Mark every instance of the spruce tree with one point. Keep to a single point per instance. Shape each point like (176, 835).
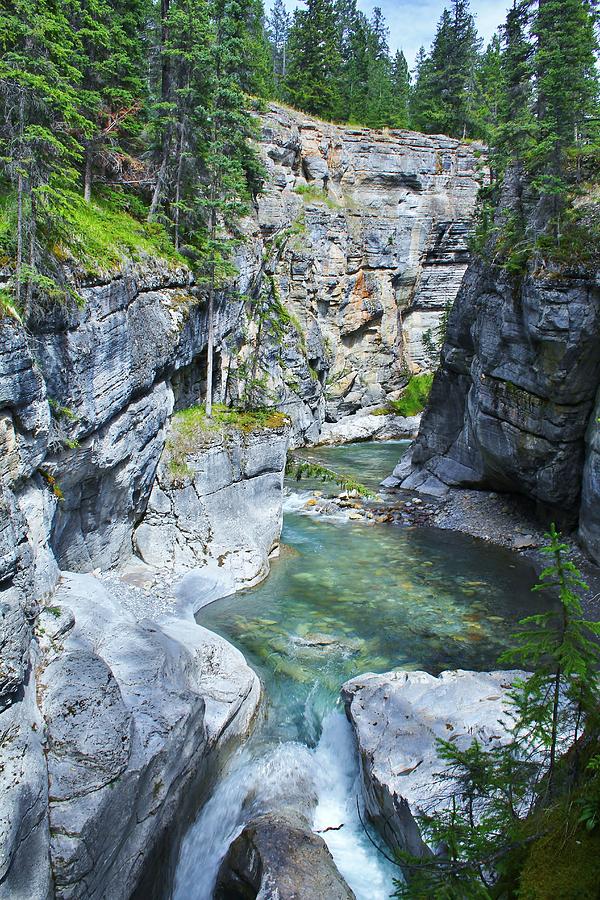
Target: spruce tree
(278, 30)
(313, 76)
(111, 57)
(380, 93)
(445, 80)
(39, 102)
(401, 91)
(566, 80)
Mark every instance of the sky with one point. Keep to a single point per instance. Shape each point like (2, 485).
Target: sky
(412, 23)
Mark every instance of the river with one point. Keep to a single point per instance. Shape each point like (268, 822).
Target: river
(344, 598)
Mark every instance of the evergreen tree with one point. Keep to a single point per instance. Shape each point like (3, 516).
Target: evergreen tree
(278, 30)
(424, 104)
(566, 80)
(515, 126)
(39, 102)
(380, 93)
(312, 81)
(488, 91)
(233, 172)
(111, 56)
(495, 791)
(444, 95)
(401, 91)
(355, 53)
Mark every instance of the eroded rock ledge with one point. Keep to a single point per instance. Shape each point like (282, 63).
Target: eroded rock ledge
(397, 718)
(134, 715)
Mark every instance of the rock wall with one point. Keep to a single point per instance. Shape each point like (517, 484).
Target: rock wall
(225, 507)
(515, 395)
(365, 244)
(94, 762)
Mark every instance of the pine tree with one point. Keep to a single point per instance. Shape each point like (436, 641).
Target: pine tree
(111, 57)
(355, 52)
(444, 94)
(233, 173)
(566, 79)
(401, 91)
(312, 82)
(516, 125)
(39, 103)
(494, 792)
(380, 93)
(278, 30)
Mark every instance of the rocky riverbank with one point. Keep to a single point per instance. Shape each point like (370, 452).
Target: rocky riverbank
(397, 718)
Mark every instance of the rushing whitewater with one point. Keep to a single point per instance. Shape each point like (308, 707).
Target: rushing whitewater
(322, 781)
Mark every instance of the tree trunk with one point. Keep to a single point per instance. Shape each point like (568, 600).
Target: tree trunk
(165, 95)
(178, 181)
(87, 176)
(19, 264)
(210, 344)
(29, 291)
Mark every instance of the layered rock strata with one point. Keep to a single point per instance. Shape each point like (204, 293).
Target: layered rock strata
(351, 238)
(223, 505)
(365, 237)
(513, 406)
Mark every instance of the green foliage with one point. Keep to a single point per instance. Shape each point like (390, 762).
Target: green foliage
(510, 808)
(443, 99)
(313, 194)
(192, 429)
(414, 396)
(99, 236)
(312, 77)
(299, 468)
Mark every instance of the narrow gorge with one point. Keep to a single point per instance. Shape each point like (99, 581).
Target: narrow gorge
(290, 414)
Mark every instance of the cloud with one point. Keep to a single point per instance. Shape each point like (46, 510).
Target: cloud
(412, 23)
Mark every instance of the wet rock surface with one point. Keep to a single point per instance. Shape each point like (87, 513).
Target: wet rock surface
(278, 857)
(397, 718)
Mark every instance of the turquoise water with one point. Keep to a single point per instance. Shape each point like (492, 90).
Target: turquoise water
(345, 598)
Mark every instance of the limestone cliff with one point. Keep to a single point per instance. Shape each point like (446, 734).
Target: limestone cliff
(353, 251)
(513, 406)
(364, 236)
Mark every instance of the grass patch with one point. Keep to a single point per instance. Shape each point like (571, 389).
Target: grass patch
(191, 430)
(100, 235)
(414, 396)
(310, 193)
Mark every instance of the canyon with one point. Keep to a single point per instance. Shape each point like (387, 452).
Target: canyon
(110, 694)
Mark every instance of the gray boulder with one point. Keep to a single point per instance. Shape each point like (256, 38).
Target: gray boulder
(136, 715)
(278, 857)
(397, 718)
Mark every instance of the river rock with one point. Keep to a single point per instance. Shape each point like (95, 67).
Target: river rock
(369, 427)
(278, 857)
(397, 718)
